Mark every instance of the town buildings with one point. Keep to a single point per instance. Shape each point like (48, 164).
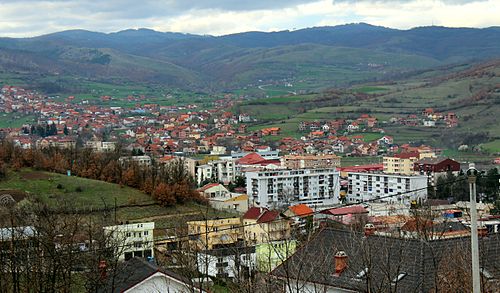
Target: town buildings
(310, 161)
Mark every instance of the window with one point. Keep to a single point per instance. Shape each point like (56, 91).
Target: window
(146, 233)
(128, 234)
(138, 244)
(362, 273)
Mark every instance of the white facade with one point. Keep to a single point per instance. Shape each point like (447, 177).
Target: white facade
(229, 264)
(221, 170)
(386, 187)
(160, 282)
(314, 187)
(132, 240)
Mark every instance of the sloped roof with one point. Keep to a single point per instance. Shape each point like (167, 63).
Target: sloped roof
(268, 216)
(238, 198)
(385, 257)
(253, 213)
(301, 210)
(250, 159)
(133, 272)
(355, 209)
(208, 186)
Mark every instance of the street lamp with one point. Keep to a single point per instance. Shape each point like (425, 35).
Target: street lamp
(476, 281)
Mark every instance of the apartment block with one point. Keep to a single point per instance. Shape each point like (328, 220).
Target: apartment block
(275, 188)
(393, 188)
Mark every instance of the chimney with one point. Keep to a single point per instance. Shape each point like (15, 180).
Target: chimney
(369, 229)
(102, 268)
(340, 262)
(482, 231)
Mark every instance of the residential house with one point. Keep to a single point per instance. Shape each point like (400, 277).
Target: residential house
(140, 276)
(216, 233)
(271, 254)
(227, 263)
(131, 240)
(301, 216)
(261, 225)
(345, 261)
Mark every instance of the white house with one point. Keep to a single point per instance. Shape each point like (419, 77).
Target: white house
(132, 240)
(228, 262)
(140, 276)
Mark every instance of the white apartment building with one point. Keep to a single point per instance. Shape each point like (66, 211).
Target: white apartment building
(131, 240)
(393, 188)
(314, 187)
(220, 171)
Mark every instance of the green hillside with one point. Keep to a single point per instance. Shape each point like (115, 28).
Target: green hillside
(473, 93)
(54, 188)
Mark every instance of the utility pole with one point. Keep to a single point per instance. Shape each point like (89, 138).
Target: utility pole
(476, 280)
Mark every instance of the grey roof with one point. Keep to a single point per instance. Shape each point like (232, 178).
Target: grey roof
(18, 232)
(385, 257)
(134, 271)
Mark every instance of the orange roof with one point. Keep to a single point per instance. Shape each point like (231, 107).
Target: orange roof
(301, 210)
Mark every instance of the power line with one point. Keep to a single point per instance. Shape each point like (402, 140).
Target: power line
(182, 237)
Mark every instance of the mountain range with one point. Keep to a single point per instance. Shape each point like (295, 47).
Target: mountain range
(314, 57)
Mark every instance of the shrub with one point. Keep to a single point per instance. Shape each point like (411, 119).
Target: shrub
(78, 189)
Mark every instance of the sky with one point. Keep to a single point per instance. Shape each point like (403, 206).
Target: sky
(27, 18)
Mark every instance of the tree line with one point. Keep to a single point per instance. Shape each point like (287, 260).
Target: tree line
(168, 183)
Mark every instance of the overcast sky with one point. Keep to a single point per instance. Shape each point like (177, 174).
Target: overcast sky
(25, 18)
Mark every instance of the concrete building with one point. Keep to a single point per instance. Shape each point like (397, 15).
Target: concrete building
(226, 263)
(132, 240)
(261, 225)
(400, 163)
(310, 161)
(314, 187)
(216, 233)
(386, 187)
(140, 160)
(220, 171)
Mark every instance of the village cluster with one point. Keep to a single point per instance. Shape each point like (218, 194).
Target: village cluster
(280, 193)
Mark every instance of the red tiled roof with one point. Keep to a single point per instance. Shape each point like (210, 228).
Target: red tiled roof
(357, 209)
(250, 159)
(253, 213)
(268, 216)
(301, 210)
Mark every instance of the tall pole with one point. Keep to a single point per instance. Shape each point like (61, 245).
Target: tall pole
(476, 281)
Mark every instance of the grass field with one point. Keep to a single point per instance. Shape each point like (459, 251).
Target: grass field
(15, 120)
(492, 146)
(98, 194)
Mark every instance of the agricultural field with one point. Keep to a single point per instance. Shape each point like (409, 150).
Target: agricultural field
(8, 120)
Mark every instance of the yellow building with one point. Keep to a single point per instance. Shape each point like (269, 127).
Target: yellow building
(261, 225)
(210, 234)
(403, 163)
